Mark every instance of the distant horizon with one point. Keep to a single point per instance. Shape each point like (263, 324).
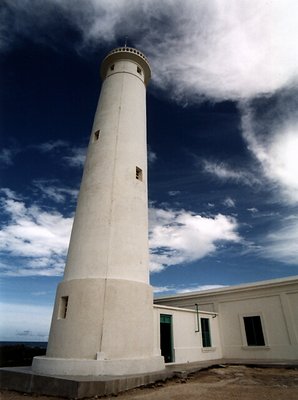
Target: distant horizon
(210, 289)
(21, 341)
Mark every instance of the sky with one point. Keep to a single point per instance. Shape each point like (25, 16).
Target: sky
(222, 122)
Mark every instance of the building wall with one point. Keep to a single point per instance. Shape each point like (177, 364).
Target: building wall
(274, 302)
(187, 340)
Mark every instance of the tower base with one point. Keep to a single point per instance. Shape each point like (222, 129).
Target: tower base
(83, 367)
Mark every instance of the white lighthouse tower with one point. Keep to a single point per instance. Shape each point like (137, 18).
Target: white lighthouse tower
(102, 322)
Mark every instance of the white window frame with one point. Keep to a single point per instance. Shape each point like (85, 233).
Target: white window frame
(245, 346)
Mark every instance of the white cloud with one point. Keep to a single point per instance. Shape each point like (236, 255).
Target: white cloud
(56, 193)
(173, 192)
(10, 194)
(276, 150)
(178, 289)
(152, 157)
(224, 172)
(224, 49)
(47, 147)
(180, 236)
(282, 244)
(77, 157)
(71, 156)
(221, 49)
(199, 288)
(41, 293)
(161, 289)
(34, 240)
(74, 156)
(30, 322)
(253, 210)
(6, 156)
(229, 202)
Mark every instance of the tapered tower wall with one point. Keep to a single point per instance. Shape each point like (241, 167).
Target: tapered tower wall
(103, 315)
(110, 232)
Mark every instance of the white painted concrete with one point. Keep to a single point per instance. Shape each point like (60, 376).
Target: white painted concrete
(110, 233)
(103, 317)
(86, 367)
(187, 338)
(276, 302)
(108, 326)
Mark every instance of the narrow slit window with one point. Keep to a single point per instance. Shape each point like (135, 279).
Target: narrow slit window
(63, 307)
(96, 135)
(254, 331)
(139, 174)
(112, 67)
(139, 70)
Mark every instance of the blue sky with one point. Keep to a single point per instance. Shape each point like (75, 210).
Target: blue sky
(222, 138)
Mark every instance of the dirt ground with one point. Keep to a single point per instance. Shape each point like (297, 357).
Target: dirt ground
(220, 383)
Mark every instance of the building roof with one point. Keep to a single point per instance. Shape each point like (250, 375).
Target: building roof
(233, 289)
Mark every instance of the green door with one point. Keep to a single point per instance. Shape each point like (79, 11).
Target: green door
(166, 345)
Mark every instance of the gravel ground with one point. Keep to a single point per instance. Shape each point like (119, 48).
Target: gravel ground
(220, 383)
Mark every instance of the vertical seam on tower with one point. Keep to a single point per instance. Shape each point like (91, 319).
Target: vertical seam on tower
(110, 215)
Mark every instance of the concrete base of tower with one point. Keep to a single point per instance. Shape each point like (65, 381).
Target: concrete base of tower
(83, 367)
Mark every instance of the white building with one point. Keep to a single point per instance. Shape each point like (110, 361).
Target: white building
(247, 322)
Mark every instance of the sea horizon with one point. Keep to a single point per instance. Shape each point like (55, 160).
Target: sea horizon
(30, 343)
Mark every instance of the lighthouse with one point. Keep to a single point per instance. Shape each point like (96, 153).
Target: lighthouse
(102, 321)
